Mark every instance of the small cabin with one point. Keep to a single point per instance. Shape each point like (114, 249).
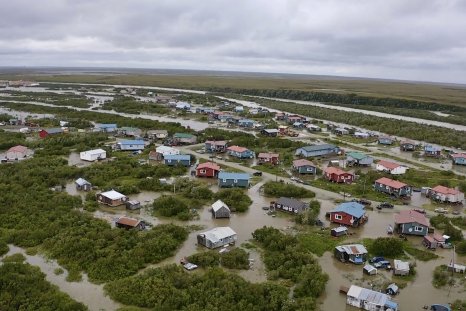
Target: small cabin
(217, 237)
(133, 205)
(130, 223)
(112, 198)
(83, 185)
(369, 270)
(220, 210)
(400, 267)
(339, 231)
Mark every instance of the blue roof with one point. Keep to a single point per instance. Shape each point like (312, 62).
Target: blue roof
(431, 148)
(246, 121)
(229, 175)
(131, 142)
(106, 125)
(178, 157)
(391, 304)
(352, 208)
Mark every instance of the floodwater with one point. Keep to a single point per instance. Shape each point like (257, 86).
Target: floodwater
(74, 159)
(21, 115)
(92, 295)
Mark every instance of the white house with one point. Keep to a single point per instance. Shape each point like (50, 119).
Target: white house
(166, 150)
(369, 300)
(93, 155)
(391, 167)
(400, 267)
(217, 237)
(131, 145)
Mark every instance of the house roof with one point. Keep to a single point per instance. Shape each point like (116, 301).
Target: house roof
(369, 268)
(237, 149)
(216, 234)
(406, 142)
(217, 142)
(370, 296)
(128, 221)
(357, 155)
(178, 157)
(431, 148)
(340, 229)
(389, 165)
(268, 155)
(335, 170)
(246, 121)
(445, 190)
(54, 130)
(157, 132)
(18, 148)
(401, 265)
(210, 165)
(406, 217)
(293, 203)
(351, 208)
(166, 149)
(131, 142)
(105, 125)
(385, 138)
(95, 151)
(232, 175)
(352, 249)
(439, 238)
(113, 195)
(302, 162)
(271, 131)
(319, 147)
(391, 183)
(429, 238)
(82, 182)
(218, 205)
(183, 135)
(458, 155)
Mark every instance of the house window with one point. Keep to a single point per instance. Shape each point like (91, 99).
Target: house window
(418, 229)
(202, 171)
(338, 217)
(169, 161)
(235, 181)
(224, 180)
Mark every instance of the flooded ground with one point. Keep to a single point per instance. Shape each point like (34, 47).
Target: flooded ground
(75, 160)
(92, 295)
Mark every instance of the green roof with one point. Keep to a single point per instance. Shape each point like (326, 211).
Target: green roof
(183, 135)
(357, 155)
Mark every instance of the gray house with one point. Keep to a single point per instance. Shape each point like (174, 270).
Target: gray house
(359, 158)
(289, 205)
(220, 210)
(229, 179)
(303, 166)
(177, 159)
(317, 150)
(82, 184)
(411, 222)
(392, 187)
(217, 237)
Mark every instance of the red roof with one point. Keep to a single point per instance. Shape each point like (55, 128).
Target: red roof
(445, 190)
(268, 155)
(128, 221)
(405, 217)
(210, 165)
(302, 162)
(458, 155)
(391, 183)
(429, 238)
(439, 238)
(335, 170)
(237, 149)
(18, 148)
(388, 164)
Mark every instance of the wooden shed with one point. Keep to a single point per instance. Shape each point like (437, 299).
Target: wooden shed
(220, 210)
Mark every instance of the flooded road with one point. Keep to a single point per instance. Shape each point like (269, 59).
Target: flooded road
(92, 295)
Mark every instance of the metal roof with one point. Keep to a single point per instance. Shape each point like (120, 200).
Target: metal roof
(367, 295)
(318, 147)
(131, 142)
(179, 157)
(210, 165)
(388, 164)
(218, 205)
(401, 265)
(82, 182)
(445, 190)
(357, 155)
(94, 151)
(105, 125)
(293, 203)
(302, 162)
(352, 249)
(411, 216)
(113, 195)
(391, 183)
(216, 234)
(183, 135)
(351, 208)
(232, 175)
(128, 221)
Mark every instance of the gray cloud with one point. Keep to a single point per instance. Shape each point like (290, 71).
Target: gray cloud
(416, 39)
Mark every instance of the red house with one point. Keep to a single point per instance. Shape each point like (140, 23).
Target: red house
(46, 132)
(337, 175)
(267, 157)
(349, 214)
(207, 169)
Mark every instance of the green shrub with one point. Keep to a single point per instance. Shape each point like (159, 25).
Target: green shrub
(17, 257)
(236, 258)
(236, 199)
(279, 189)
(389, 247)
(205, 259)
(3, 248)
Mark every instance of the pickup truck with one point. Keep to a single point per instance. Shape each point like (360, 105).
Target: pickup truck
(441, 210)
(384, 205)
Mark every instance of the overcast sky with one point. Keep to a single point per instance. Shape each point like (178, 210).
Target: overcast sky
(400, 39)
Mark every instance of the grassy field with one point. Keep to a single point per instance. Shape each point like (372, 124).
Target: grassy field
(441, 93)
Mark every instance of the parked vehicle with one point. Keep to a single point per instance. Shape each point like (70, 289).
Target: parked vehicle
(420, 210)
(190, 266)
(257, 173)
(376, 259)
(362, 201)
(441, 210)
(384, 264)
(384, 205)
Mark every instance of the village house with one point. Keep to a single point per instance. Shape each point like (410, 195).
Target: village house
(133, 205)
(212, 146)
(246, 123)
(130, 223)
(217, 237)
(368, 269)
(83, 185)
(240, 152)
(354, 253)
(207, 169)
(390, 167)
(156, 134)
(162, 151)
(238, 109)
(131, 145)
(359, 159)
(184, 139)
(105, 127)
(370, 300)
(93, 155)
(205, 110)
(318, 151)
(268, 157)
(339, 231)
(337, 175)
(112, 198)
(313, 128)
(229, 179)
(129, 131)
(289, 205)
(459, 158)
(392, 289)
(292, 118)
(349, 214)
(339, 131)
(407, 145)
(400, 267)
(303, 166)
(279, 116)
(269, 132)
(182, 106)
(298, 125)
(18, 152)
(220, 210)
(177, 159)
(435, 240)
(50, 132)
(392, 187)
(411, 222)
(362, 135)
(432, 151)
(446, 195)
(385, 140)
(456, 267)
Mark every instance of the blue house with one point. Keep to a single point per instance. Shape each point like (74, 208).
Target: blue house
(131, 145)
(317, 150)
(240, 152)
(359, 158)
(108, 128)
(385, 140)
(246, 123)
(177, 159)
(459, 158)
(432, 151)
(228, 179)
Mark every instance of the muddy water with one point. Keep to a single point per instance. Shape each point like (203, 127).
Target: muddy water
(92, 295)
(74, 159)
(23, 115)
